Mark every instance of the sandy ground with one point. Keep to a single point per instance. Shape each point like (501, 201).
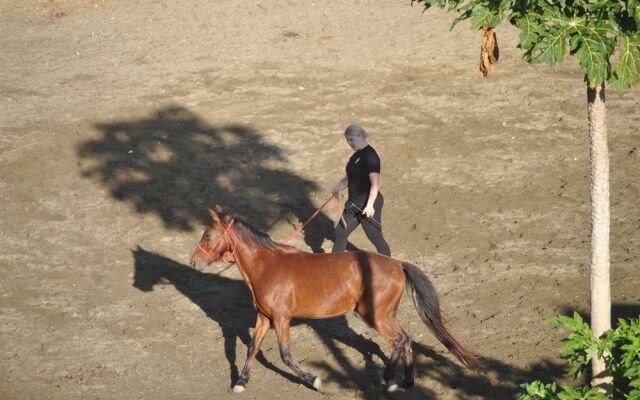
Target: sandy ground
(121, 122)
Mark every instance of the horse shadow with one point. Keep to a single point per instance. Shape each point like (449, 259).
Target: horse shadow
(496, 381)
(174, 164)
(228, 302)
(443, 369)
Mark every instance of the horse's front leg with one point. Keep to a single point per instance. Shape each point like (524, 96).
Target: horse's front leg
(282, 331)
(262, 327)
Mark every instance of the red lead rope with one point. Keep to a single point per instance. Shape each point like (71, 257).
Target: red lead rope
(315, 214)
(229, 232)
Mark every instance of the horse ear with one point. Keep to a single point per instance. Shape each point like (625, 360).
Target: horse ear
(218, 208)
(214, 216)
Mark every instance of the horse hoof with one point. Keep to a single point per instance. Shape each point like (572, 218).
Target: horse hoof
(317, 383)
(392, 387)
(238, 389)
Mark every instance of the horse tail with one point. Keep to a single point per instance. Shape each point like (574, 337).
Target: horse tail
(425, 299)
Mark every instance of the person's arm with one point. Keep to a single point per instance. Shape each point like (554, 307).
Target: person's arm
(341, 185)
(374, 178)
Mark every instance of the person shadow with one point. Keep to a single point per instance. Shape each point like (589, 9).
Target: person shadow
(176, 165)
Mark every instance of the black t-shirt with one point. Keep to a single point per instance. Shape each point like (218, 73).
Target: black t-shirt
(360, 165)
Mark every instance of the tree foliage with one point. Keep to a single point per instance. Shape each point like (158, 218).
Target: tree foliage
(619, 346)
(603, 34)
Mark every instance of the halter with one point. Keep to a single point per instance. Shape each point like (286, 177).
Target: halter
(227, 239)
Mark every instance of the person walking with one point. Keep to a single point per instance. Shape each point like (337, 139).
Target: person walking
(365, 201)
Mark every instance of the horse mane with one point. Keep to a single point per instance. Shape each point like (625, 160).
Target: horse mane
(253, 234)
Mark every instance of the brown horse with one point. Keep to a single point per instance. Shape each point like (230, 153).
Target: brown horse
(287, 283)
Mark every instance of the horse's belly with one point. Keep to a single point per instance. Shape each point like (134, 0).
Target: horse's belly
(322, 308)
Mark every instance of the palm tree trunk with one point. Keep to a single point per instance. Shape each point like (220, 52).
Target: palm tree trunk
(600, 221)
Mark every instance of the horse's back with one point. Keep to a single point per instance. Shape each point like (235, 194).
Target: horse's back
(331, 264)
(331, 284)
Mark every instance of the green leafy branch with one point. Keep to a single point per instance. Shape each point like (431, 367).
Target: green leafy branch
(620, 348)
(593, 30)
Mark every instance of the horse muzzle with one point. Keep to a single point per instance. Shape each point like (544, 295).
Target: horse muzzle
(199, 265)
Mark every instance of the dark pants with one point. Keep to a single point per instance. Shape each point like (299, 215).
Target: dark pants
(372, 227)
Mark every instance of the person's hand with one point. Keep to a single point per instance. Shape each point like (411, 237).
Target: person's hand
(336, 190)
(369, 211)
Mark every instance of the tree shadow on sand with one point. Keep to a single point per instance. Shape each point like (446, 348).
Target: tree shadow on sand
(175, 165)
(227, 301)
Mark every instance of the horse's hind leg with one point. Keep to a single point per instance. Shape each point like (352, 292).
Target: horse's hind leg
(390, 370)
(399, 340)
(403, 343)
(262, 327)
(409, 361)
(282, 331)
(380, 313)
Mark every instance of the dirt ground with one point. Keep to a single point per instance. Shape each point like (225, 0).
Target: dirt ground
(121, 122)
